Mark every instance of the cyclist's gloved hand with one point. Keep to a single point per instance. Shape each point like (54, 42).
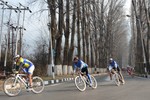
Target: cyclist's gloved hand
(16, 72)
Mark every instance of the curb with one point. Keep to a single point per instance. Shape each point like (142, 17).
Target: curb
(50, 82)
(55, 81)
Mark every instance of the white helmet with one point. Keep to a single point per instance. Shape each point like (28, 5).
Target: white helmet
(17, 56)
(111, 59)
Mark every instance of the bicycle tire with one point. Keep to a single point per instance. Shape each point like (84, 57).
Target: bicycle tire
(9, 89)
(38, 85)
(116, 79)
(94, 82)
(80, 83)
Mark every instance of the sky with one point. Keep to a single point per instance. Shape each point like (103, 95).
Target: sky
(35, 23)
(128, 12)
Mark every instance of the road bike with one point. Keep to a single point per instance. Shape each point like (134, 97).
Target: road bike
(117, 78)
(81, 82)
(14, 84)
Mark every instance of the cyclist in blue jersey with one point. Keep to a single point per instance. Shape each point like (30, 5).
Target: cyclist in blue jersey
(26, 66)
(114, 66)
(77, 63)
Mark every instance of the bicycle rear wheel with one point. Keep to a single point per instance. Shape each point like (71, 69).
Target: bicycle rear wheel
(94, 82)
(38, 85)
(11, 88)
(80, 83)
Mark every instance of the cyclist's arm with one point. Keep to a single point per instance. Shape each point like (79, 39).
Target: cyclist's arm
(20, 67)
(115, 64)
(82, 65)
(74, 68)
(109, 68)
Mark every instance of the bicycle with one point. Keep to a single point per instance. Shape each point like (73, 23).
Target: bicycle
(81, 81)
(14, 84)
(117, 78)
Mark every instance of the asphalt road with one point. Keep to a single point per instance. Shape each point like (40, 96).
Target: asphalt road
(135, 89)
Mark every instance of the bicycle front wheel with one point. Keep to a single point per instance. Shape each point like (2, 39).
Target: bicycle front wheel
(38, 84)
(116, 79)
(11, 88)
(94, 82)
(80, 83)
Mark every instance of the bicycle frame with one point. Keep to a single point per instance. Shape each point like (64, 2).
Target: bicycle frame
(82, 75)
(19, 77)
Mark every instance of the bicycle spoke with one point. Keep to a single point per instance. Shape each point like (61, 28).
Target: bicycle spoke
(80, 83)
(10, 88)
(94, 82)
(38, 85)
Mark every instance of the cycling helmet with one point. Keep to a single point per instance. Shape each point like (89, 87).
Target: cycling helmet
(111, 59)
(17, 56)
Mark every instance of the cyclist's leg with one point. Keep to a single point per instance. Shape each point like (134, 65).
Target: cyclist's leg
(110, 75)
(112, 71)
(120, 74)
(30, 73)
(85, 69)
(88, 75)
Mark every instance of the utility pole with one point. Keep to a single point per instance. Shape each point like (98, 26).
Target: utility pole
(20, 40)
(18, 9)
(6, 52)
(1, 29)
(17, 30)
(22, 28)
(13, 28)
(8, 24)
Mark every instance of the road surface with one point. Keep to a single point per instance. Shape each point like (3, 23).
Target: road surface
(136, 88)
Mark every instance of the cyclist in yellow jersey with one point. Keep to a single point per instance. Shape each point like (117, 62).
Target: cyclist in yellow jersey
(25, 65)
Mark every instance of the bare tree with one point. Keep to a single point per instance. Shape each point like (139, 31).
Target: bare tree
(67, 33)
(58, 59)
(72, 34)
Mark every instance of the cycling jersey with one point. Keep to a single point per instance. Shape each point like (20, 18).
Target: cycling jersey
(83, 67)
(80, 64)
(112, 65)
(25, 63)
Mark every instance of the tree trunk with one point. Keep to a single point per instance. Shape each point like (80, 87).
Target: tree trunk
(147, 53)
(83, 29)
(51, 6)
(58, 59)
(139, 48)
(66, 48)
(72, 35)
(78, 28)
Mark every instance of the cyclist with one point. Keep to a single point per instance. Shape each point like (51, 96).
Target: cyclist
(26, 66)
(113, 66)
(77, 63)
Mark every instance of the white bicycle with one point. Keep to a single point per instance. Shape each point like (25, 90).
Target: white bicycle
(13, 85)
(117, 78)
(81, 81)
